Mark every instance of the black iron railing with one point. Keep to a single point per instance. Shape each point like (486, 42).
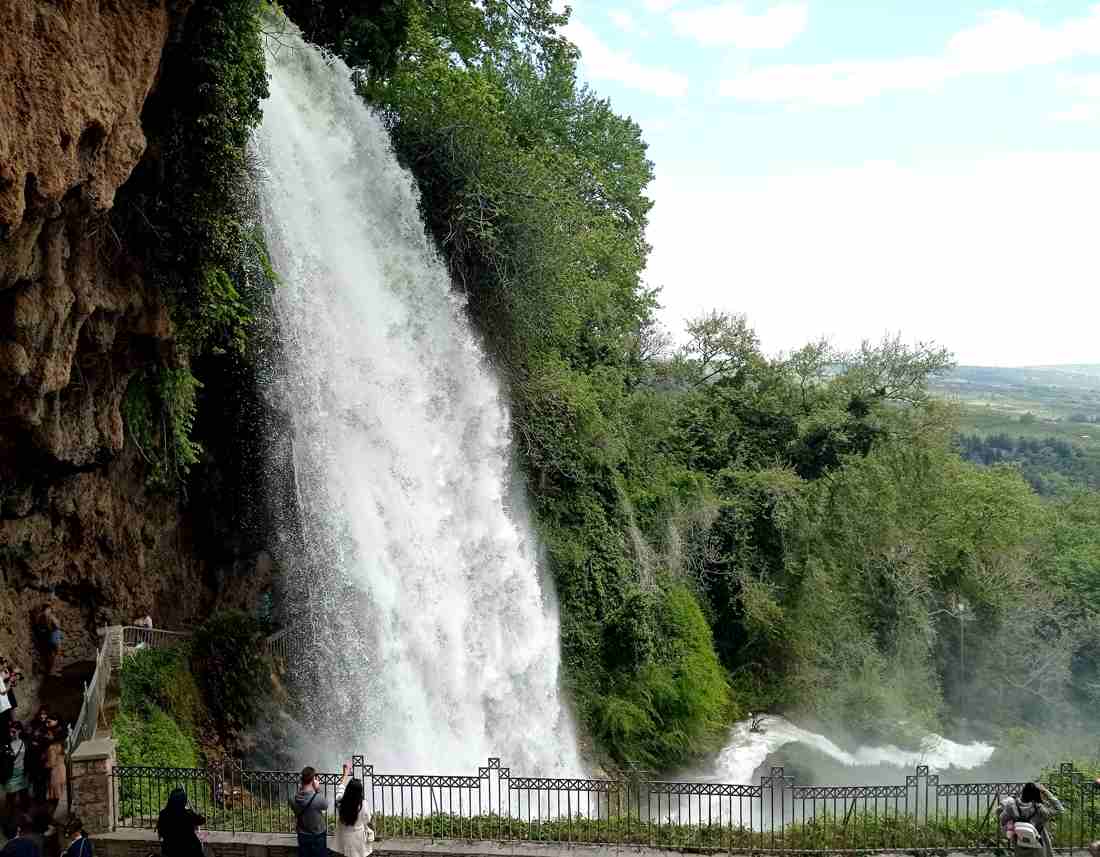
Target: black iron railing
(776, 814)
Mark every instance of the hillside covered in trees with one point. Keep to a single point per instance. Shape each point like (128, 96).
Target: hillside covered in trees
(727, 530)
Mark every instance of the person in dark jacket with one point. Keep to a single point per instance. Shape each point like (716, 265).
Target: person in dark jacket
(79, 843)
(177, 826)
(22, 845)
(310, 809)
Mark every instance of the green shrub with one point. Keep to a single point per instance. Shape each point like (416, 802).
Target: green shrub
(161, 679)
(677, 703)
(155, 740)
(159, 411)
(227, 656)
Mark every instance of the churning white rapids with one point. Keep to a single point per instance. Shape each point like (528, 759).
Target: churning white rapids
(421, 549)
(746, 751)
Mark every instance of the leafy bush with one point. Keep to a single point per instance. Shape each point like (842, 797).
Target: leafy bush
(161, 679)
(154, 740)
(677, 704)
(159, 410)
(227, 656)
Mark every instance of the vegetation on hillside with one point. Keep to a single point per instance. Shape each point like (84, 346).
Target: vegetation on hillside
(726, 529)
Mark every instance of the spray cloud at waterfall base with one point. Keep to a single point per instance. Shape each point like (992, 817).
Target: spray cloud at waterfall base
(434, 642)
(747, 751)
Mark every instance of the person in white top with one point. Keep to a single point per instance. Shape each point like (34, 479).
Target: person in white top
(354, 834)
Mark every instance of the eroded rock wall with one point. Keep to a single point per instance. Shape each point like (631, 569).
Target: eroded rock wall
(77, 320)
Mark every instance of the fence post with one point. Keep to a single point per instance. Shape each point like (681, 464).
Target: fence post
(768, 788)
(93, 796)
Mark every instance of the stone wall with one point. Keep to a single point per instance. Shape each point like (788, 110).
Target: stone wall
(92, 788)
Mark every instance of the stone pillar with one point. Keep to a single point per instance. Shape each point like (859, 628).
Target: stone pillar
(93, 788)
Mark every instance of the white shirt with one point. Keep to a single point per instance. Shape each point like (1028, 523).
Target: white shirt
(353, 840)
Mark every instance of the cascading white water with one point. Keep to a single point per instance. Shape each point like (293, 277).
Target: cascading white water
(442, 643)
(746, 751)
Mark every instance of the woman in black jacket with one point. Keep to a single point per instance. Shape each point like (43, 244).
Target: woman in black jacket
(177, 826)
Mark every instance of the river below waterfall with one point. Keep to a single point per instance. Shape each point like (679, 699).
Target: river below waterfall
(810, 755)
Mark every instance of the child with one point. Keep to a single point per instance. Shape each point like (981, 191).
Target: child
(80, 845)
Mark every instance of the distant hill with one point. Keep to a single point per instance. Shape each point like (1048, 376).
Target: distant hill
(1084, 376)
(1041, 419)
(1049, 392)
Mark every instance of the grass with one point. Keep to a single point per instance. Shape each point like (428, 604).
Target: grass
(988, 421)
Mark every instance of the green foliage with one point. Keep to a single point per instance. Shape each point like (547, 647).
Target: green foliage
(159, 411)
(673, 707)
(366, 33)
(190, 201)
(227, 656)
(161, 680)
(1052, 465)
(189, 210)
(154, 739)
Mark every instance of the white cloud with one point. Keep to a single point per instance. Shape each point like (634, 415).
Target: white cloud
(623, 20)
(602, 62)
(1081, 85)
(994, 259)
(659, 5)
(1085, 88)
(1080, 112)
(1002, 42)
(729, 24)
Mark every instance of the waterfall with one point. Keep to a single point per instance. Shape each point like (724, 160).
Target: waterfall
(433, 639)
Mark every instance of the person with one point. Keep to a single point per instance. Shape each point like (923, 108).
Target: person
(354, 834)
(177, 827)
(49, 629)
(38, 741)
(1094, 847)
(7, 710)
(22, 844)
(79, 843)
(1035, 806)
(9, 678)
(310, 807)
(57, 783)
(15, 785)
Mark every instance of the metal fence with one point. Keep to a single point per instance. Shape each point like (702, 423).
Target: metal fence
(135, 638)
(121, 641)
(95, 693)
(284, 645)
(496, 805)
(118, 642)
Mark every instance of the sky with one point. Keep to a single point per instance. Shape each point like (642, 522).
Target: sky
(857, 169)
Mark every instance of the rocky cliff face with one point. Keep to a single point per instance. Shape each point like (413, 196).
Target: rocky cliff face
(77, 319)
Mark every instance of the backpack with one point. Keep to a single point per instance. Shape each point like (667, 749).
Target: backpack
(1029, 834)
